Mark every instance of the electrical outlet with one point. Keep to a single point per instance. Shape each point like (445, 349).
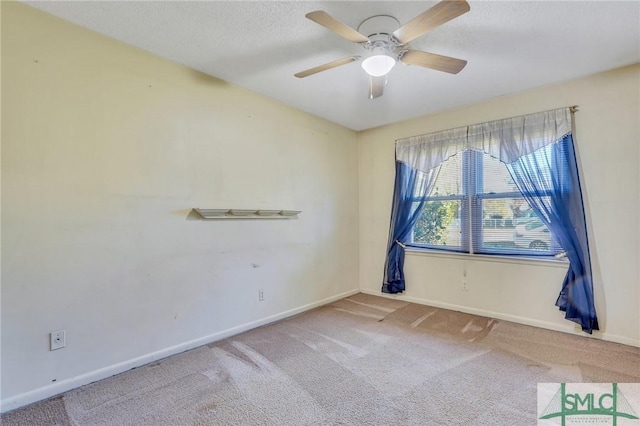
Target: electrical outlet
(465, 285)
(261, 295)
(58, 340)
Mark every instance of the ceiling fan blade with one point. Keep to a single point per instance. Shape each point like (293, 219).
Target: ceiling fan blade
(340, 28)
(433, 61)
(376, 86)
(439, 14)
(327, 66)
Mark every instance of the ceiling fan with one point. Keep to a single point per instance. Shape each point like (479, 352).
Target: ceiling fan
(387, 42)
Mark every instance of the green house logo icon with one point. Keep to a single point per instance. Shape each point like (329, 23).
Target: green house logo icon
(612, 405)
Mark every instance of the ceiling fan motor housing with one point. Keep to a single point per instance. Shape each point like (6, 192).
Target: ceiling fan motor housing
(379, 30)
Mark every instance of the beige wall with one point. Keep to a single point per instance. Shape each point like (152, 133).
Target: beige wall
(105, 149)
(607, 138)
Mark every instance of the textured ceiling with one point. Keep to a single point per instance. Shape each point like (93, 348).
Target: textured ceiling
(510, 46)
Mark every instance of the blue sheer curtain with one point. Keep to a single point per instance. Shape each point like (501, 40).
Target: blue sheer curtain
(548, 179)
(411, 188)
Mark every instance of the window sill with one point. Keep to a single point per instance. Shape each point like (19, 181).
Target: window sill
(538, 261)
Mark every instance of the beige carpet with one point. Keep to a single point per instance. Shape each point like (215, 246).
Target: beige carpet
(363, 360)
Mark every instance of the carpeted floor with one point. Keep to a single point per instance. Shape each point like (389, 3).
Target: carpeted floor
(363, 360)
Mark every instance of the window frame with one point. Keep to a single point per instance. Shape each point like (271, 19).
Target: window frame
(471, 203)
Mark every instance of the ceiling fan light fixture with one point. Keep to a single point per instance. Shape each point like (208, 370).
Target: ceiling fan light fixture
(378, 65)
(387, 42)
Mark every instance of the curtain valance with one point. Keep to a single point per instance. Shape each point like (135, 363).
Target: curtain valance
(507, 139)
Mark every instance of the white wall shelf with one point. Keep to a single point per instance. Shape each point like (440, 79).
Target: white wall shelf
(246, 214)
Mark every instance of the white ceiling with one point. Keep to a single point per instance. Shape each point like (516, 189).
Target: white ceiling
(510, 46)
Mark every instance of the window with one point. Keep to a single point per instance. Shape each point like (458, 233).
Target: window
(451, 193)
(475, 207)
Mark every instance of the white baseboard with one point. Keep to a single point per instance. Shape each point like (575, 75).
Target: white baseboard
(48, 391)
(569, 328)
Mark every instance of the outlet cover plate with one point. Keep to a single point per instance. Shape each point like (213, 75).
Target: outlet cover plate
(58, 340)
